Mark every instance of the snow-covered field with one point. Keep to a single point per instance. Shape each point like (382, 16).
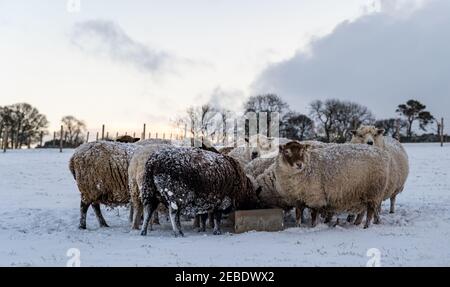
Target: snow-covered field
(39, 212)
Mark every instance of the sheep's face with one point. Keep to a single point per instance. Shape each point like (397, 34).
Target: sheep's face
(368, 135)
(295, 154)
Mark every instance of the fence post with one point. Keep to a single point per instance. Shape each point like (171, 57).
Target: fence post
(156, 135)
(442, 132)
(149, 135)
(41, 138)
(87, 137)
(143, 133)
(107, 135)
(96, 138)
(54, 140)
(117, 135)
(164, 136)
(61, 139)
(103, 132)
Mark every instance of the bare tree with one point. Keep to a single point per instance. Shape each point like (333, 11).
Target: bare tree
(337, 118)
(297, 126)
(75, 130)
(268, 103)
(24, 124)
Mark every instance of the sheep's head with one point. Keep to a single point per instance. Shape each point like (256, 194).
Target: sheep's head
(368, 135)
(295, 154)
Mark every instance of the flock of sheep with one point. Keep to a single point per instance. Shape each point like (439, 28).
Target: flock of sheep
(170, 177)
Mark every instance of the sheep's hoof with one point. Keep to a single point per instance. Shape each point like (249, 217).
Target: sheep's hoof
(143, 232)
(391, 211)
(217, 232)
(178, 233)
(82, 227)
(201, 229)
(350, 218)
(104, 225)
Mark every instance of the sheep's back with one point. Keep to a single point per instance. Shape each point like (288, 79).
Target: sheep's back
(101, 171)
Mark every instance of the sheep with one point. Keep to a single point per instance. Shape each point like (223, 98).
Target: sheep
(135, 179)
(194, 181)
(152, 142)
(257, 167)
(100, 171)
(127, 139)
(399, 165)
(337, 178)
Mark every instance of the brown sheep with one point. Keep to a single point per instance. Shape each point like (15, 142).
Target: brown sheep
(100, 170)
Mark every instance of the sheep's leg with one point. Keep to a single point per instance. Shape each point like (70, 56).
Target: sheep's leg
(314, 214)
(131, 215)
(178, 222)
(359, 218)
(392, 209)
(217, 219)
(174, 221)
(376, 219)
(350, 218)
(137, 215)
(155, 218)
(98, 213)
(329, 217)
(211, 219)
(369, 215)
(83, 212)
(299, 215)
(336, 223)
(203, 218)
(148, 211)
(196, 223)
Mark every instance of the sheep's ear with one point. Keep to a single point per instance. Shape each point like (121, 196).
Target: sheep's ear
(380, 131)
(354, 132)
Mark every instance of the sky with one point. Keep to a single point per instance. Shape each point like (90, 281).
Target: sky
(125, 63)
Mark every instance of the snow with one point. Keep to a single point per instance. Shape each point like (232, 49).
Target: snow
(39, 214)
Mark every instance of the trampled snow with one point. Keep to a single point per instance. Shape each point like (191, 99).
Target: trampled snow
(39, 214)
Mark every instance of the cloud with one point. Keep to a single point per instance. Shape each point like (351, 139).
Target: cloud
(101, 37)
(229, 99)
(379, 60)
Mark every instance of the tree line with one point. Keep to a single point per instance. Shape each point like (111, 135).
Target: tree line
(327, 120)
(22, 125)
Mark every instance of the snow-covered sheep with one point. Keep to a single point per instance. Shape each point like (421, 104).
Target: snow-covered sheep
(100, 170)
(152, 142)
(194, 181)
(398, 158)
(136, 178)
(337, 178)
(259, 165)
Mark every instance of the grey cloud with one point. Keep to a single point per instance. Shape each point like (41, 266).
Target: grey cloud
(378, 60)
(106, 37)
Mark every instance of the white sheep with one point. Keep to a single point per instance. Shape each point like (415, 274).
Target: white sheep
(398, 158)
(338, 178)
